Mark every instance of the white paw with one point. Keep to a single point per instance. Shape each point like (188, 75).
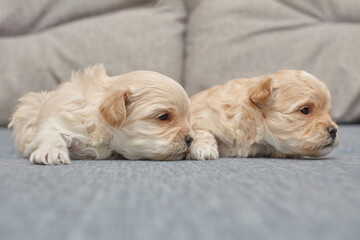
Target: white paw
(48, 155)
(203, 152)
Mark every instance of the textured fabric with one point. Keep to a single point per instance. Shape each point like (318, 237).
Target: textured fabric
(42, 41)
(223, 199)
(240, 38)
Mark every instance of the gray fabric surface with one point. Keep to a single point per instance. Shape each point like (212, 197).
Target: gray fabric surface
(42, 42)
(224, 199)
(241, 38)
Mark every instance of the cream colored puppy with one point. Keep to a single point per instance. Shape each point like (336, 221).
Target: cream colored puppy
(286, 114)
(140, 115)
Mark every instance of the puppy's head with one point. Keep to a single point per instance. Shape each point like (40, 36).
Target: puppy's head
(148, 116)
(296, 110)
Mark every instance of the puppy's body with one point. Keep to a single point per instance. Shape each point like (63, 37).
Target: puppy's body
(262, 117)
(96, 116)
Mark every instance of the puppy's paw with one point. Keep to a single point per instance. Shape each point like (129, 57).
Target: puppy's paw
(203, 152)
(50, 156)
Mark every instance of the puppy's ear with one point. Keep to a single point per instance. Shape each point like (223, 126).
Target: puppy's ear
(262, 91)
(113, 107)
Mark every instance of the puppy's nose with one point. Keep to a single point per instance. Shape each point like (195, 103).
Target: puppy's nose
(332, 131)
(188, 140)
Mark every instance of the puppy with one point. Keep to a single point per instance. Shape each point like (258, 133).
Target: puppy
(286, 114)
(139, 115)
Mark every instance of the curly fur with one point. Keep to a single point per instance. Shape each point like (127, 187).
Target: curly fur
(261, 117)
(96, 116)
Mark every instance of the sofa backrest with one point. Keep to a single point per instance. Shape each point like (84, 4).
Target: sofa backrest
(199, 43)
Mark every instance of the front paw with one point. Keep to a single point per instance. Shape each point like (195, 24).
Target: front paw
(50, 156)
(203, 152)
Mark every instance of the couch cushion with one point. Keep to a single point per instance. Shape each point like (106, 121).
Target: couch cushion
(225, 199)
(240, 38)
(41, 42)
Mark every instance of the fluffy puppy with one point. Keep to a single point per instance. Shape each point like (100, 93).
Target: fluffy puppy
(140, 115)
(286, 114)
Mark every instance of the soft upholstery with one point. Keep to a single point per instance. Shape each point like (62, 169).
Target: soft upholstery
(241, 38)
(42, 41)
(198, 43)
(230, 199)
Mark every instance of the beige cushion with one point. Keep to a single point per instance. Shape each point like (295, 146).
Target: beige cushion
(42, 41)
(241, 38)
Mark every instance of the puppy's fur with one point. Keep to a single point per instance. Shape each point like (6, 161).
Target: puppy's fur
(96, 116)
(286, 114)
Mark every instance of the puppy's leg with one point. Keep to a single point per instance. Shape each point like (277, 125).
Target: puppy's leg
(49, 148)
(204, 146)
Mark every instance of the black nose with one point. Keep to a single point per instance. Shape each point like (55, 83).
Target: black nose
(332, 130)
(188, 140)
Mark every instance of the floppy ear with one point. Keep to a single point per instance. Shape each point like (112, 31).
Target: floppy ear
(113, 107)
(262, 91)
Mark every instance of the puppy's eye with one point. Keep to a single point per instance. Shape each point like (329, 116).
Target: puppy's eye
(305, 110)
(163, 117)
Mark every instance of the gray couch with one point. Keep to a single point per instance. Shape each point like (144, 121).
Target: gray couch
(199, 43)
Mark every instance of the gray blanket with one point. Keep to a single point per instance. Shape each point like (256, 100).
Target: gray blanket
(223, 199)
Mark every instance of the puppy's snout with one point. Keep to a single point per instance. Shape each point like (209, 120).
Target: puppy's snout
(188, 140)
(332, 131)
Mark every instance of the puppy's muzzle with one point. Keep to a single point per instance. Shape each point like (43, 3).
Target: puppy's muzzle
(188, 140)
(332, 131)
